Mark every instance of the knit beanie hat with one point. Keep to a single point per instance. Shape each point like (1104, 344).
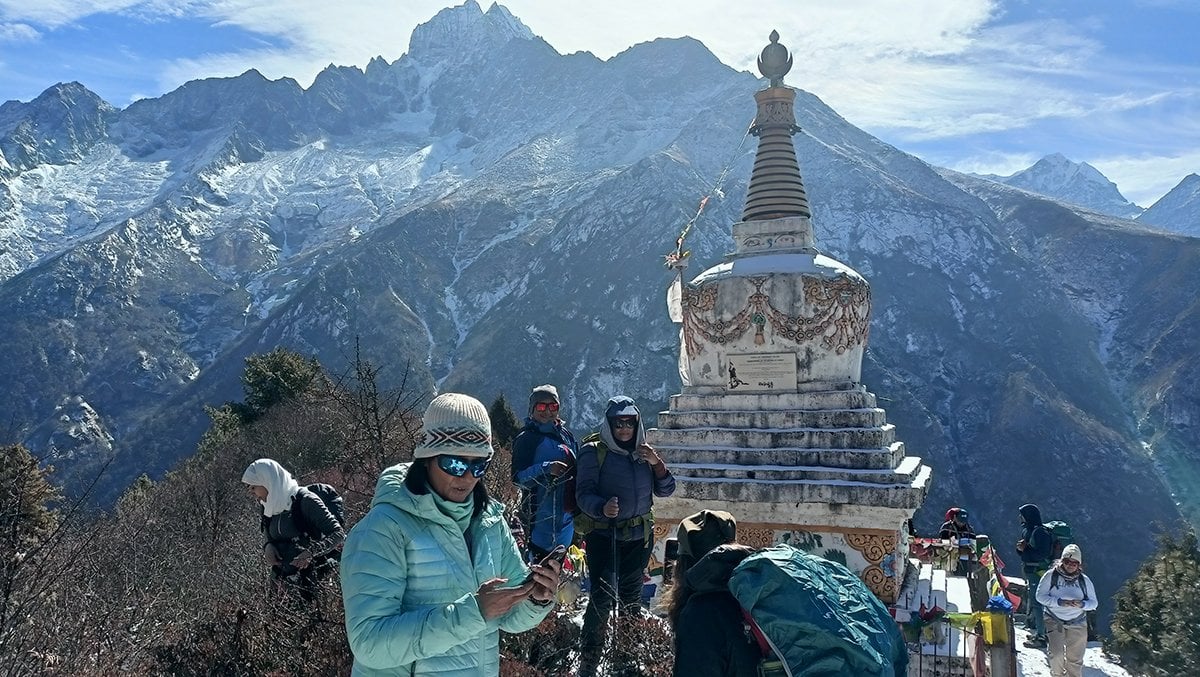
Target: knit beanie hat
(455, 424)
(704, 531)
(542, 393)
(1072, 552)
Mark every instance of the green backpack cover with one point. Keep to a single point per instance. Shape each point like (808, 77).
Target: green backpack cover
(819, 618)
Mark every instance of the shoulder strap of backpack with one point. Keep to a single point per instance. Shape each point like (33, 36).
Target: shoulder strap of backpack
(764, 646)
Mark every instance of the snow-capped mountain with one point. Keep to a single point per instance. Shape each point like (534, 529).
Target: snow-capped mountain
(1074, 182)
(1179, 209)
(491, 215)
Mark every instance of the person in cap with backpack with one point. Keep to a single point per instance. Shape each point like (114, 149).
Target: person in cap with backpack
(617, 478)
(957, 528)
(707, 622)
(544, 456)
(302, 534)
(1035, 549)
(432, 573)
(1067, 594)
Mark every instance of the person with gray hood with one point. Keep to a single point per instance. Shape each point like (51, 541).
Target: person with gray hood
(617, 478)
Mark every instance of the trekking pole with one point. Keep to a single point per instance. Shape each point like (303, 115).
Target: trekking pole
(615, 569)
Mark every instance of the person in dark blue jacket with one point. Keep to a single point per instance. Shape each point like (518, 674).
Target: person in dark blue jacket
(617, 479)
(1035, 548)
(544, 456)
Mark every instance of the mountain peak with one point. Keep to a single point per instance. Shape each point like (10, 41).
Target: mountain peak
(1179, 209)
(457, 32)
(1079, 183)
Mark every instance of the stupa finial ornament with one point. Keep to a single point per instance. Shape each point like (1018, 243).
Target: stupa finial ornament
(775, 61)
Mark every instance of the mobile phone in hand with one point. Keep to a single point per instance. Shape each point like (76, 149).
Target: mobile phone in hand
(558, 554)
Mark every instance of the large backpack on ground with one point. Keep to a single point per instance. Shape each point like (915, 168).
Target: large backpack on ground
(1060, 537)
(818, 618)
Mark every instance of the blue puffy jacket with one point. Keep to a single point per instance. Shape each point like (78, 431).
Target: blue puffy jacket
(409, 584)
(533, 451)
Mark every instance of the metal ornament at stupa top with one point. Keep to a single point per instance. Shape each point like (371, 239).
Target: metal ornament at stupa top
(772, 423)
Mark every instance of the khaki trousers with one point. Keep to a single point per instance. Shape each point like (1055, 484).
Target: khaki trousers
(1067, 642)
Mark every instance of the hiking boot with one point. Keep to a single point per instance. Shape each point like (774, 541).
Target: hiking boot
(1036, 643)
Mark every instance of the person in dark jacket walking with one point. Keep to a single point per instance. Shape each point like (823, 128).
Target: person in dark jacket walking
(617, 479)
(710, 634)
(301, 534)
(544, 456)
(1035, 549)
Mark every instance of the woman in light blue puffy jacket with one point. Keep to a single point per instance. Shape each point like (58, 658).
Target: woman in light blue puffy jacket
(432, 573)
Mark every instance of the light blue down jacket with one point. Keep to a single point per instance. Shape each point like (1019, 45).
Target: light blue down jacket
(409, 584)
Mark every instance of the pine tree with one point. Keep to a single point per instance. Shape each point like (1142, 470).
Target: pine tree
(275, 377)
(505, 424)
(1158, 610)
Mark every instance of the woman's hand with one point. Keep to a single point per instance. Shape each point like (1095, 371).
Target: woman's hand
(545, 581)
(612, 508)
(271, 555)
(649, 455)
(302, 559)
(495, 601)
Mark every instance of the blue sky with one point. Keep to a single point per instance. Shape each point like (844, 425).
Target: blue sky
(976, 85)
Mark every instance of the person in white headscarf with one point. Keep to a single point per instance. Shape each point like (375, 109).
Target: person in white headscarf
(302, 535)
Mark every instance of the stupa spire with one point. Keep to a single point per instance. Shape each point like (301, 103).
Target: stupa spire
(776, 189)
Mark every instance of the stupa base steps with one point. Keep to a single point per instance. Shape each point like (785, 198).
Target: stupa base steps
(908, 495)
(867, 417)
(873, 458)
(904, 473)
(753, 438)
(821, 396)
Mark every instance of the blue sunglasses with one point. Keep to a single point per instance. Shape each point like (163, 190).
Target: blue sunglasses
(458, 466)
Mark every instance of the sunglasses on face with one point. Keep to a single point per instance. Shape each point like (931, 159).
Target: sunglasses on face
(458, 466)
(546, 406)
(1070, 561)
(630, 423)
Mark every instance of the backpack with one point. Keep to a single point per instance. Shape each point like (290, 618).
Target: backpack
(1060, 537)
(333, 503)
(818, 618)
(583, 522)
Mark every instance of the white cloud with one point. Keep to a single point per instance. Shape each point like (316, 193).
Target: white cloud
(1145, 179)
(18, 32)
(55, 13)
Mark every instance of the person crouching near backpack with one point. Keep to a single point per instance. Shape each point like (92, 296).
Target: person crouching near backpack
(617, 478)
(300, 531)
(432, 573)
(1067, 594)
(706, 619)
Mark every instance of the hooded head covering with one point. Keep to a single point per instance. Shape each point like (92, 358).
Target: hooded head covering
(455, 424)
(618, 407)
(278, 482)
(1031, 515)
(702, 532)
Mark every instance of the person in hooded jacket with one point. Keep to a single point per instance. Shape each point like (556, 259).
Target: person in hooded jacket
(711, 637)
(617, 478)
(1035, 548)
(432, 573)
(1067, 594)
(301, 534)
(544, 456)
